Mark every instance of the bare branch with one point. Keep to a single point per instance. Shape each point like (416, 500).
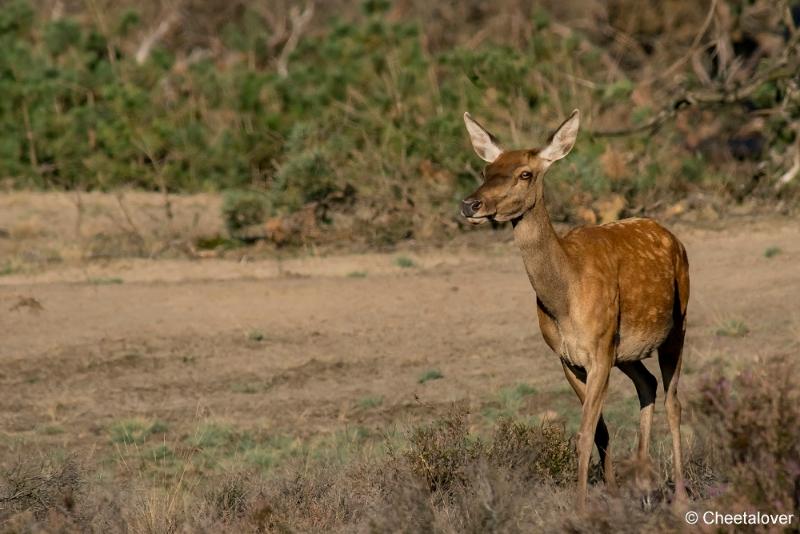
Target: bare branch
(783, 70)
(794, 170)
(299, 20)
(156, 35)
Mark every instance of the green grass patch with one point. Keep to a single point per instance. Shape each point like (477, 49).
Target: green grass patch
(105, 281)
(430, 374)
(256, 335)
(404, 262)
(249, 388)
(9, 268)
(509, 402)
(212, 435)
(357, 274)
(135, 431)
(732, 328)
(367, 403)
(771, 252)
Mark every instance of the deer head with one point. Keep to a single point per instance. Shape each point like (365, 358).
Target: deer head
(512, 179)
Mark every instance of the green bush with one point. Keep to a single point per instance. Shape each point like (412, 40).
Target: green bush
(241, 209)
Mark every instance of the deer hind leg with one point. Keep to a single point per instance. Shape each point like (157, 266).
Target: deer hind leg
(646, 386)
(576, 376)
(669, 359)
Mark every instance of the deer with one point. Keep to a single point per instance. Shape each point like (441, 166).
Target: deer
(606, 295)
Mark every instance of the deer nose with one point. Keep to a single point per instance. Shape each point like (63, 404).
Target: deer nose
(470, 207)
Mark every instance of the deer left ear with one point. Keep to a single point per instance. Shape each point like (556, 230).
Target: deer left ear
(563, 139)
(484, 143)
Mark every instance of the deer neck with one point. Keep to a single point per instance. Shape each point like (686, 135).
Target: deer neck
(545, 259)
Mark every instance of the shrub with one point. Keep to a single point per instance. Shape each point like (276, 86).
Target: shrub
(438, 454)
(39, 487)
(537, 453)
(754, 420)
(241, 209)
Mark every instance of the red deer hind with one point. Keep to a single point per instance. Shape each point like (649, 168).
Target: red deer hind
(606, 295)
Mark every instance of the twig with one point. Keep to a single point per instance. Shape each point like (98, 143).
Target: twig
(793, 171)
(299, 21)
(29, 135)
(124, 209)
(692, 48)
(155, 36)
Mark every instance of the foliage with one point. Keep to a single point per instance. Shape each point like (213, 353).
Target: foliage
(371, 104)
(241, 209)
(755, 420)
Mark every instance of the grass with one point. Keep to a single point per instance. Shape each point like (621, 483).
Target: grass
(8, 268)
(431, 374)
(732, 328)
(445, 475)
(105, 281)
(404, 262)
(249, 388)
(51, 430)
(509, 402)
(135, 431)
(771, 252)
(212, 435)
(367, 403)
(357, 274)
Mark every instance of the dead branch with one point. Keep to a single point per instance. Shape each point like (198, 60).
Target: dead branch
(794, 170)
(156, 35)
(299, 20)
(782, 70)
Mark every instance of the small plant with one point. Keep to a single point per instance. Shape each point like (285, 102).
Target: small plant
(404, 262)
(771, 252)
(367, 403)
(241, 209)
(357, 274)
(256, 335)
(439, 454)
(431, 374)
(733, 328)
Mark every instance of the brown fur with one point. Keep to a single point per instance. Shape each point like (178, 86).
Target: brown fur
(606, 296)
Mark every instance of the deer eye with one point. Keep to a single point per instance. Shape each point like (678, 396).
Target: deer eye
(526, 175)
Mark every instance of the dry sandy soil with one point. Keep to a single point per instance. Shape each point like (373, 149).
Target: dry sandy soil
(311, 345)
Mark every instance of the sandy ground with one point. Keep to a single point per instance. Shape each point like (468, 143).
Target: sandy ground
(294, 346)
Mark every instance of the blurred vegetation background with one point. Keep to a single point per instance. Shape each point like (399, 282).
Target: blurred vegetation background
(335, 119)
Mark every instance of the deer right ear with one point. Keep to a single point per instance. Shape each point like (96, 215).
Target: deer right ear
(484, 143)
(563, 139)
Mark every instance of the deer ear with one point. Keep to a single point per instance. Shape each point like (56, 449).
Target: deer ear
(563, 139)
(484, 143)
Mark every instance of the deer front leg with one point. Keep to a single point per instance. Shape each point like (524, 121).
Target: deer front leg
(596, 389)
(577, 379)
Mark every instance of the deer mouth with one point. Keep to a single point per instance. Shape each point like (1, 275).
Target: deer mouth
(480, 219)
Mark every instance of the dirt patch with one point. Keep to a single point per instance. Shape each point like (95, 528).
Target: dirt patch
(297, 352)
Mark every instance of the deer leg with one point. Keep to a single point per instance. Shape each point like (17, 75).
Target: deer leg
(577, 379)
(669, 359)
(596, 389)
(646, 386)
